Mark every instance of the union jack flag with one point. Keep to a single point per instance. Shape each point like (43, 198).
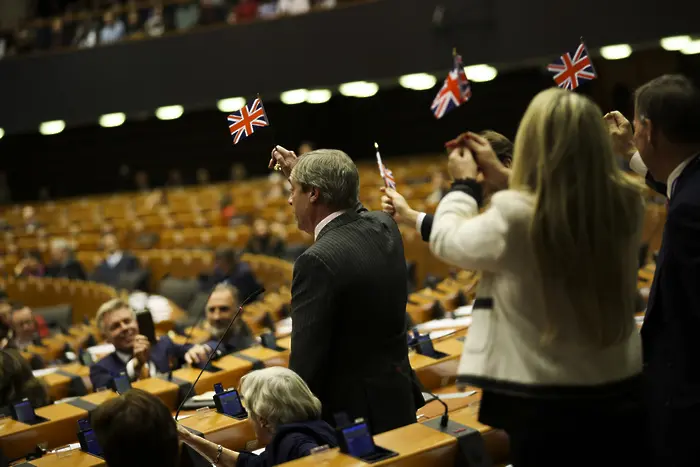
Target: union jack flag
(570, 71)
(455, 91)
(388, 176)
(242, 123)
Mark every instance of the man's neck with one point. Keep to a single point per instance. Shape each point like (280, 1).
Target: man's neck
(674, 157)
(321, 213)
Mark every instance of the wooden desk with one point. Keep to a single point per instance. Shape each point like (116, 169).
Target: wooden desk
(17, 439)
(233, 369)
(220, 429)
(163, 390)
(207, 381)
(434, 409)
(60, 385)
(435, 373)
(98, 398)
(269, 357)
(417, 445)
(75, 458)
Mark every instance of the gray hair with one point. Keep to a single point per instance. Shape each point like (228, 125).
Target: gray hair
(333, 173)
(226, 287)
(279, 395)
(60, 244)
(109, 307)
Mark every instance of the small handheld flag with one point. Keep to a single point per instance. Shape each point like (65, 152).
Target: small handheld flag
(386, 174)
(569, 70)
(455, 91)
(242, 123)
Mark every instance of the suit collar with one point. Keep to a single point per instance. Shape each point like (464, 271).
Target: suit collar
(342, 219)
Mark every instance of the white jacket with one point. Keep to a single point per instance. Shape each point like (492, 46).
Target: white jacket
(503, 349)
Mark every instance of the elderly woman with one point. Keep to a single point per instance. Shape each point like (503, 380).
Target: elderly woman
(285, 416)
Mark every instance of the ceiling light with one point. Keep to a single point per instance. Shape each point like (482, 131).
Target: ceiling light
(2, 133)
(616, 52)
(480, 73)
(52, 128)
(169, 112)
(674, 42)
(112, 120)
(231, 104)
(318, 96)
(295, 96)
(418, 81)
(359, 89)
(692, 48)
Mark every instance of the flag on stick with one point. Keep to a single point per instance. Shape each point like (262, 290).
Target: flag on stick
(242, 123)
(386, 174)
(569, 70)
(455, 91)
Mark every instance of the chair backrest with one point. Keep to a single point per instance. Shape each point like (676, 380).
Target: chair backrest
(180, 291)
(58, 315)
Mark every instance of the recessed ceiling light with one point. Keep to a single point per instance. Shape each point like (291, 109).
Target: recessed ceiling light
(418, 81)
(616, 52)
(169, 112)
(52, 127)
(112, 120)
(480, 73)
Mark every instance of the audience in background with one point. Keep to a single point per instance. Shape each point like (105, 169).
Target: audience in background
(246, 10)
(286, 418)
(27, 328)
(31, 222)
(115, 264)
(136, 429)
(186, 16)
(134, 30)
(221, 307)
(112, 29)
(293, 7)
(31, 265)
(17, 382)
(263, 242)
(63, 264)
(155, 25)
(231, 270)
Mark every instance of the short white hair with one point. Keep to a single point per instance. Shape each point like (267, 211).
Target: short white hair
(59, 244)
(109, 307)
(279, 395)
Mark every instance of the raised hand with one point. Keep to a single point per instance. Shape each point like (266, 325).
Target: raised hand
(395, 204)
(284, 158)
(621, 134)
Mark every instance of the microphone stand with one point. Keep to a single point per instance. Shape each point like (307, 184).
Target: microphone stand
(228, 328)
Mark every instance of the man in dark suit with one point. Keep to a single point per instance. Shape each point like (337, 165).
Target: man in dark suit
(395, 204)
(348, 296)
(117, 262)
(133, 352)
(63, 263)
(665, 148)
(221, 307)
(231, 270)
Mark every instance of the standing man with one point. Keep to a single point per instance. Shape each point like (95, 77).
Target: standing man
(665, 148)
(348, 296)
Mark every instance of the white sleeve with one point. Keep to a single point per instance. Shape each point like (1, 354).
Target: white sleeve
(131, 369)
(463, 237)
(637, 165)
(419, 221)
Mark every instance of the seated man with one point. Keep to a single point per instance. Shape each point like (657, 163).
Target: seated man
(116, 262)
(221, 307)
(231, 270)
(134, 354)
(264, 242)
(63, 264)
(136, 430)
(27, 328)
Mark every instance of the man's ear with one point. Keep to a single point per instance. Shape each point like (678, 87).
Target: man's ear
(313, 194)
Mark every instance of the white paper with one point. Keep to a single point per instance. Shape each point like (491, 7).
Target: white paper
(98, 351)
(257, 452)
(465, 310)
(207, 396)
(446, 323)
(44, 372)
(438, 334)
(450, 395)
(284, 327)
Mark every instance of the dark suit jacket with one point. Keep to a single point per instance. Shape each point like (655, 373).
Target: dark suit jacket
(109, 275)
(103, 371)
(70, 270)
(670, 332)
(240, 338)
(349, 321)
(242, 278)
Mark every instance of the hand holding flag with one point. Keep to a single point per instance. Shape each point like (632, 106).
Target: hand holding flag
(385, 173)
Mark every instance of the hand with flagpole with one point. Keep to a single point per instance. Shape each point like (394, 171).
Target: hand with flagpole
(282, 160)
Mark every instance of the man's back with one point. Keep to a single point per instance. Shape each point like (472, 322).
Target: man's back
(348, 312)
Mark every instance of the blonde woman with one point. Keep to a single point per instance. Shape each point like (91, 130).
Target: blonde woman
(553, 341)
(286, 418)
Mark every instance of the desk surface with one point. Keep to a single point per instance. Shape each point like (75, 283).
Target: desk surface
(74, 458)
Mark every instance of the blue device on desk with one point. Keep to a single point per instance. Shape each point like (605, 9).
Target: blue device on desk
(356, 440)
(83, 424)
(121, 383)
(88, 442)
(24, 412)
(229, 403)
(218, 388)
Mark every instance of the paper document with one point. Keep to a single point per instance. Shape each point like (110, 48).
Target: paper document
(446, 323)
(438, 334)
(44, 372)
(207, 396)
(465, 310)
(451, 395)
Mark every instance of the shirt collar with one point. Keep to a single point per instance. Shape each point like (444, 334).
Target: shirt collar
(673, 177)
(124, 357)
(325, 222)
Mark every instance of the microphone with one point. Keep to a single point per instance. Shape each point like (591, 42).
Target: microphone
(213, 353)
(445, 415)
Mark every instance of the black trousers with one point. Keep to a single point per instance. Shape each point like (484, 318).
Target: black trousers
(573, 431)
